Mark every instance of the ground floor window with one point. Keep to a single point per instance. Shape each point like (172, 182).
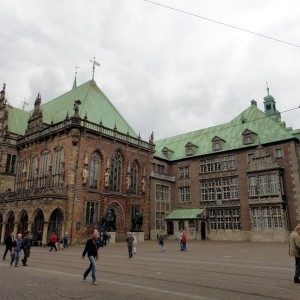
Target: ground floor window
(160, 220)
(267, 218)
(92, 213)
(228, 218)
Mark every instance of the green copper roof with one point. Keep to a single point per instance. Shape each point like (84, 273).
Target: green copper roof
(17, 120)
(266, 130)
(94, 104)
(180, 214)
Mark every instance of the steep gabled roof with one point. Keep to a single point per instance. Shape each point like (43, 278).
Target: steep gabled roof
(94, 104)
(267, 130)
(17, 120)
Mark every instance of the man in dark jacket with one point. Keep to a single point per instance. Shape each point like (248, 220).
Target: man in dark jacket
(129, 241)
(27, 242)
(91, 250)
(9, 243)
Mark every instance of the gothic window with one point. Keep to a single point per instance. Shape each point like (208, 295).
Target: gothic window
(115, 178)
(94, 171)
(31, 171)
(57, 166)
(45, 162)
(92, 213)
(19, 174)
(10, 164)
(133, 178)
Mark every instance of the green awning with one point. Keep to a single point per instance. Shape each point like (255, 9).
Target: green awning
(184, 214)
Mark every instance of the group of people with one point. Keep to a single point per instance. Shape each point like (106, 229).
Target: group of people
(57, 242)
(15, 247)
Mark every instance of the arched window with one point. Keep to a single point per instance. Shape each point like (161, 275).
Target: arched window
(19, 174)
(133, 177)
(45, 163)
(115, 173)
(94, 171)
(57, 165)
(31, 171)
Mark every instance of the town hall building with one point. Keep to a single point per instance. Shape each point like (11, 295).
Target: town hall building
(74, 164)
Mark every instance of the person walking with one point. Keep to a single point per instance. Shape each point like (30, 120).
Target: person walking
(53, 242)
(91, 250)
(295, 251)
(9, 243)
(66, 240)
(183, 239)
(160, 239)
(27, 243)
(129, 241)
(134, 245)
(16, 250)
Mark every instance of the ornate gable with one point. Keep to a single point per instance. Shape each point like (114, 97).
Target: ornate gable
(35, 122)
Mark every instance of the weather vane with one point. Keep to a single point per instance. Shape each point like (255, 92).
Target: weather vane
(24, 103)
(76, 67)
(94, 64)
(267, 87)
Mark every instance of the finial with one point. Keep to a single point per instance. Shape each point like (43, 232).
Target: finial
(267, 88)
(94, 64)
(24, 103)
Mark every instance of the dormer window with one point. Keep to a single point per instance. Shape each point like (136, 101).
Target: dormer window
(217, 143)
(167, 152)
(248, 137)
(190, 149)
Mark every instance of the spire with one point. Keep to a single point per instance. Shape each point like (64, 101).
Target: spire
(75, 79)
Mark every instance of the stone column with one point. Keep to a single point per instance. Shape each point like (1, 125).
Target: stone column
(29, 226)
(3, 232)
(45, 233)
(16, 229)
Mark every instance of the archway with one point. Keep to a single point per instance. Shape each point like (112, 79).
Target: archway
(23, 224)
(38, 227)
(55, 222)
(119, 216)
(9, 227)
(203, 231)
(170, 228)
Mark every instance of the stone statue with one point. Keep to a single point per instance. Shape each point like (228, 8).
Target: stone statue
(106, 178)
(85, 174)
(137, 221)
(109, 221)
(144, 184)
(128, 182)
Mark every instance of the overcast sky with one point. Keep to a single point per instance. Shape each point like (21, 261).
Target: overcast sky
(165, 71)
